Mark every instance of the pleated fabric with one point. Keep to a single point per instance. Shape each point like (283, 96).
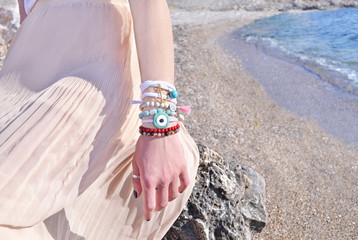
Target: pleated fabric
(68, 130)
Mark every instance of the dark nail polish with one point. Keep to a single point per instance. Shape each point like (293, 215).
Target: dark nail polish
(135, 194)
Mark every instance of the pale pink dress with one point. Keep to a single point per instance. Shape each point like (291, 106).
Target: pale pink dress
(68, 130)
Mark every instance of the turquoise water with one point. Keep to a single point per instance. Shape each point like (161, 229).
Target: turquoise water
(325, 42)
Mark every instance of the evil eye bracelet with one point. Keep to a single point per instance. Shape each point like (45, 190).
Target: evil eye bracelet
(159, 132)
(178, 116)
(155, 111)
(160, 121)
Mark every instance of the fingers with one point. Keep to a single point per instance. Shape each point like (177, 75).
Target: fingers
(184, 180)
(136, 181)
(155, 199)
(149, 202)
(162, 198)
(174, 189)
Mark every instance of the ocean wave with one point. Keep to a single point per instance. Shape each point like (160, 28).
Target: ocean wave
(330, 54)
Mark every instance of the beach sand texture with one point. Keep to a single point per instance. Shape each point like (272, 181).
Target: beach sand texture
(311, 176)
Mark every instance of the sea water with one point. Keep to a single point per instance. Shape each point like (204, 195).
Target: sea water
(307, 62)
(324, 42)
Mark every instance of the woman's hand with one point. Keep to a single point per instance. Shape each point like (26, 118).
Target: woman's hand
(161, 165)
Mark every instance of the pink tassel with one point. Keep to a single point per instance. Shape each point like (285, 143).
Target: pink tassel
(185, 109)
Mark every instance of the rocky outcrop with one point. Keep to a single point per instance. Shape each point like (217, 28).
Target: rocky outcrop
(260, 5)
(7, 31)
(227, 202)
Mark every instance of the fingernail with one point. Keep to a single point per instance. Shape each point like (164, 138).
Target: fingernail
(135, 194)
(147, 220)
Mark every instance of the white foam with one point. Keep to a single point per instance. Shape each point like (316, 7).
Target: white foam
(329, 64)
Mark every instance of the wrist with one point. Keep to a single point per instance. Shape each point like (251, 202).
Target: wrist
(159, 110)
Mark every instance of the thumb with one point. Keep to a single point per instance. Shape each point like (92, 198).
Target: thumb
(136, 181)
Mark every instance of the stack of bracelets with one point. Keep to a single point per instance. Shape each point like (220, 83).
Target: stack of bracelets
(163, 109)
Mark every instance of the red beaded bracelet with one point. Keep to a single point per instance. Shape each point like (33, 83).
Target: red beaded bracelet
(159, 132)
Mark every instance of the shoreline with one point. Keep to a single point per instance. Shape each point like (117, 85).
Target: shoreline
(299, 90)
(310, 175)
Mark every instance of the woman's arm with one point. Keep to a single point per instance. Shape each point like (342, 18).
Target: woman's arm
(154, 39)
(159, 161)
(22, 12)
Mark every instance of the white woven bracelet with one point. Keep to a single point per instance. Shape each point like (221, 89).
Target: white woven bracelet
(153, 83)
(151, 94)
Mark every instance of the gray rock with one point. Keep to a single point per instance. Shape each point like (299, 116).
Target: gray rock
(7, 31)
(227, 202)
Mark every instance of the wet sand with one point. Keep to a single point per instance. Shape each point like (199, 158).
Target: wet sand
(298, 89)
(311, 175)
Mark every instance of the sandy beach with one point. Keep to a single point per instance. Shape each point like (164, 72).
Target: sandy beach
(311, 176)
